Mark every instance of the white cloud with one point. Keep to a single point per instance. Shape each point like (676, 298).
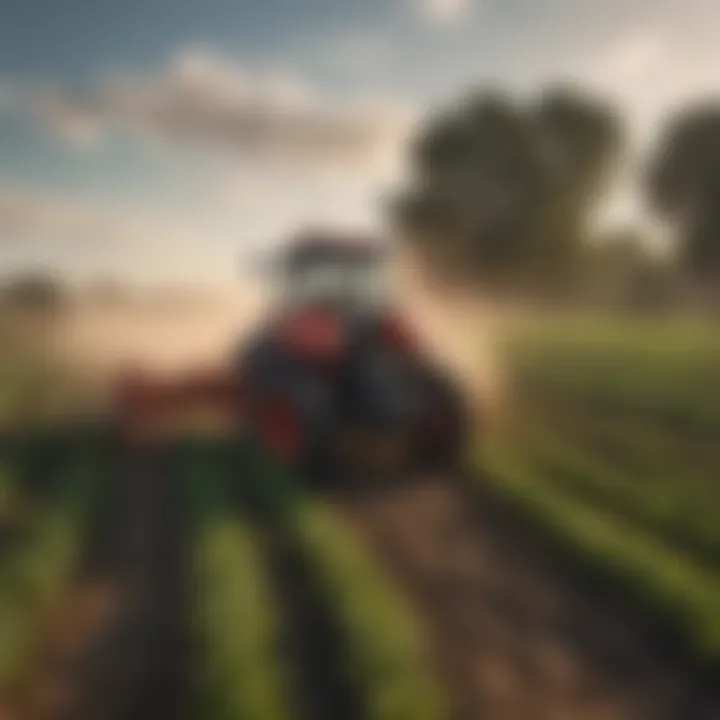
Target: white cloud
(202, 99)
(446, 12)
(231, 219)
(631, 57)
(25, 214)
(651, 70)
(81, 239)
(280, 156)
(82, 226)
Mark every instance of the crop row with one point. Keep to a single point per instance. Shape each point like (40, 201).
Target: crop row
(639, 448)
(36, 568)
(658, 502)
(235, 622)
(668, 374)
(611, 446)
(385, 655)
(239, 618)
(660, 578)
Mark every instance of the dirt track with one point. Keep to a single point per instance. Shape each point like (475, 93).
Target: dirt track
(320, 686)
(115, 646)
(514, 634)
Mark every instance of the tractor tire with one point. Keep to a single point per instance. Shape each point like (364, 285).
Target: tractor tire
(446, 453)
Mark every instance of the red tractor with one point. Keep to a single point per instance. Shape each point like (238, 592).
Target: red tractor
(335, 381)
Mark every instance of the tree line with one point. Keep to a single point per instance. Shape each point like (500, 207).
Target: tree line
(505, 193)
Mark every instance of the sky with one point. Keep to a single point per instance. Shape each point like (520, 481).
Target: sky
(172, 140)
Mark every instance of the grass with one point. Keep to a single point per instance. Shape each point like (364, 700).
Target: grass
(611, 445)
(665, 373)
(658, 502)
(385, 654)
(657, 575)
(626, 360)
(9, 499)
(236, 620)
(38, 568)
(36, 390)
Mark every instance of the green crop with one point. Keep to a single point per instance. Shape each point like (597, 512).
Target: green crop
(235, 618)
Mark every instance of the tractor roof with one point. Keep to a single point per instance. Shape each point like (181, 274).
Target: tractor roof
(317, 246)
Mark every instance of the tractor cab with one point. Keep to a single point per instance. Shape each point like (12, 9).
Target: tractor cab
(350, 276)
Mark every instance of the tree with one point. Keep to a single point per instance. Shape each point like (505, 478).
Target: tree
(684, 187)
(501, 191)
(33, 291)
(620, 271)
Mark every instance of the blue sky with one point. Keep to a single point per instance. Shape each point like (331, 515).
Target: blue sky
(159, 138)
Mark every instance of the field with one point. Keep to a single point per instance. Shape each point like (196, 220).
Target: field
(575, 571)
(612, 442)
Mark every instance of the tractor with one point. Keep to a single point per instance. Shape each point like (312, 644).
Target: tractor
(335, 382)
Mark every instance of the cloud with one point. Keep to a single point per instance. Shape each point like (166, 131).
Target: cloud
(80, 127)
(359, 52)
(632, 56)
(27, 216)
(201, 99)
(445, 12)
(207, 239)
(652, 69)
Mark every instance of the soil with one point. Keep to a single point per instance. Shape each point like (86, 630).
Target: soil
(513, 632)
(115, 645)
(320, 685)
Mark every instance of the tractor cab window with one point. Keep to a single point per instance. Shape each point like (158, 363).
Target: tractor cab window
(348, 281)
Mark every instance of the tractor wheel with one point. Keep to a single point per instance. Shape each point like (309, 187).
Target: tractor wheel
(287, 435)
(444, 453)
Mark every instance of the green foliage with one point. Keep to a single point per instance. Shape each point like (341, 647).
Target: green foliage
(502, 190)
(619, 271)
(660, 577)
(32, 291)
(34, 573)
(611, 445)
(385, 653)
(665, 372)
(666, 503)
(684, 184)
(34, 392)
(8, 498)
(236, 620)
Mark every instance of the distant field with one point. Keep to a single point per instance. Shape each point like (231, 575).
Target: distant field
(613, 442)
(53, 362)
